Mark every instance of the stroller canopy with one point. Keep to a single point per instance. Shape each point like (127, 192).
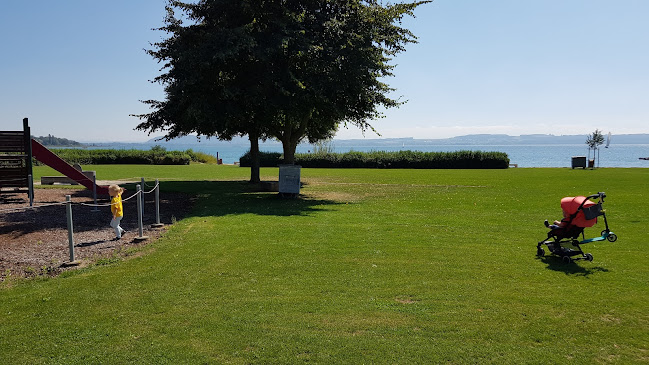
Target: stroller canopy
(570, 206)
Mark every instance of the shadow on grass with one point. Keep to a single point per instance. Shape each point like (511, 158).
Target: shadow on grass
(177, 198)
(221, 198)
(555, 263)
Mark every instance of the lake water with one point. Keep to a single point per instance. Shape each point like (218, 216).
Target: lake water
(622, 155)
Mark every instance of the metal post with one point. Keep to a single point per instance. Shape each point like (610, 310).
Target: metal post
(143, 185)
(94, 191)
(157, 201)
(141, 237)
(28, 147)
(139, 210)
(30, 181)
(68, 210)
(157, 205)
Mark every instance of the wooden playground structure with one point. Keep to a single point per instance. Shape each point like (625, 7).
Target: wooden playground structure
(16, 161)
(17, 149)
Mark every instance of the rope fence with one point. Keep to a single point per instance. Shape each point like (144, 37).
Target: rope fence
(68, 203)
(153, 190)
(109, 204)
(74, 203)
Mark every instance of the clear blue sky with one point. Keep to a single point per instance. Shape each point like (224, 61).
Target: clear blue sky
(77, 68)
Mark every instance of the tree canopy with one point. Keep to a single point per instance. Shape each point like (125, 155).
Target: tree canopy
(336, 55)
(285, 69)
(595, 139)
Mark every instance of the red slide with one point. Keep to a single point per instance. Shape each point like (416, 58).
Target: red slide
(42, 154)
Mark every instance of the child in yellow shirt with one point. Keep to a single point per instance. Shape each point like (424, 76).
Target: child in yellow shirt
(116, 208)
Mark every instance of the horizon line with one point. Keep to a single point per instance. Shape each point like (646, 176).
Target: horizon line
(212, 139)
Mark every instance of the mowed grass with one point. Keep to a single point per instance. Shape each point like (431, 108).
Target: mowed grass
(368, 266)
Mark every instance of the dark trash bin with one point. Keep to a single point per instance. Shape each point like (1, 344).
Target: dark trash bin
(579, 161)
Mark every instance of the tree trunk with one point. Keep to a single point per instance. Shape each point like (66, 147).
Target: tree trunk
(289, 151)
(291, 138)
(254, 158)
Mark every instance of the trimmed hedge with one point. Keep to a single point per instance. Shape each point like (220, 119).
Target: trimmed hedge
(266, 159)
(127, 157)
(391, 160)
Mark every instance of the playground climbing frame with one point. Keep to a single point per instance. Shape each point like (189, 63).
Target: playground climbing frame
(16, 160)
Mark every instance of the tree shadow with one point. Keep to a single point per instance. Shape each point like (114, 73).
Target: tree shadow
(222, 198)
(178, 199)
(555, 263)
(45, 214)
(13, 198)
(48, 215)
(88, 244)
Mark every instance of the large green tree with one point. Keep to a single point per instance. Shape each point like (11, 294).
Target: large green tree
(336, 56)
(287, 69)
(213, 68)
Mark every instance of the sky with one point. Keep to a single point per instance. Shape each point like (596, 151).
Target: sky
(78, 68)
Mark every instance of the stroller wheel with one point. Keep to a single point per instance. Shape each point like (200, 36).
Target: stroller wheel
(567, 260)
(589, 257)
(540, 252)
(612, 237)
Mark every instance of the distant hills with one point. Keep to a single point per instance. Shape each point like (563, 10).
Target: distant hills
(503, 139)
(472, 139)
(52, 141)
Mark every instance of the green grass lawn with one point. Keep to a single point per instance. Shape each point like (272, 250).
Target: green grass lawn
(369, 266)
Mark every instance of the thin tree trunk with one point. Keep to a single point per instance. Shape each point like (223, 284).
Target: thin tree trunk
(254, 158)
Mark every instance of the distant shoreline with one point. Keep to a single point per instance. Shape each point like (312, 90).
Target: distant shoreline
(473, 139)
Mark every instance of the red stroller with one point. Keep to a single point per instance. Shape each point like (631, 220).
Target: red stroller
(578, 213)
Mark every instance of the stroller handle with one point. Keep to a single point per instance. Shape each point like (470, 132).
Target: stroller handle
(601, 195)
(598, 195)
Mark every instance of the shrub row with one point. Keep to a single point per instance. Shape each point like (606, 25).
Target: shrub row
(394, 160)
(266, 159)
(156, 156)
